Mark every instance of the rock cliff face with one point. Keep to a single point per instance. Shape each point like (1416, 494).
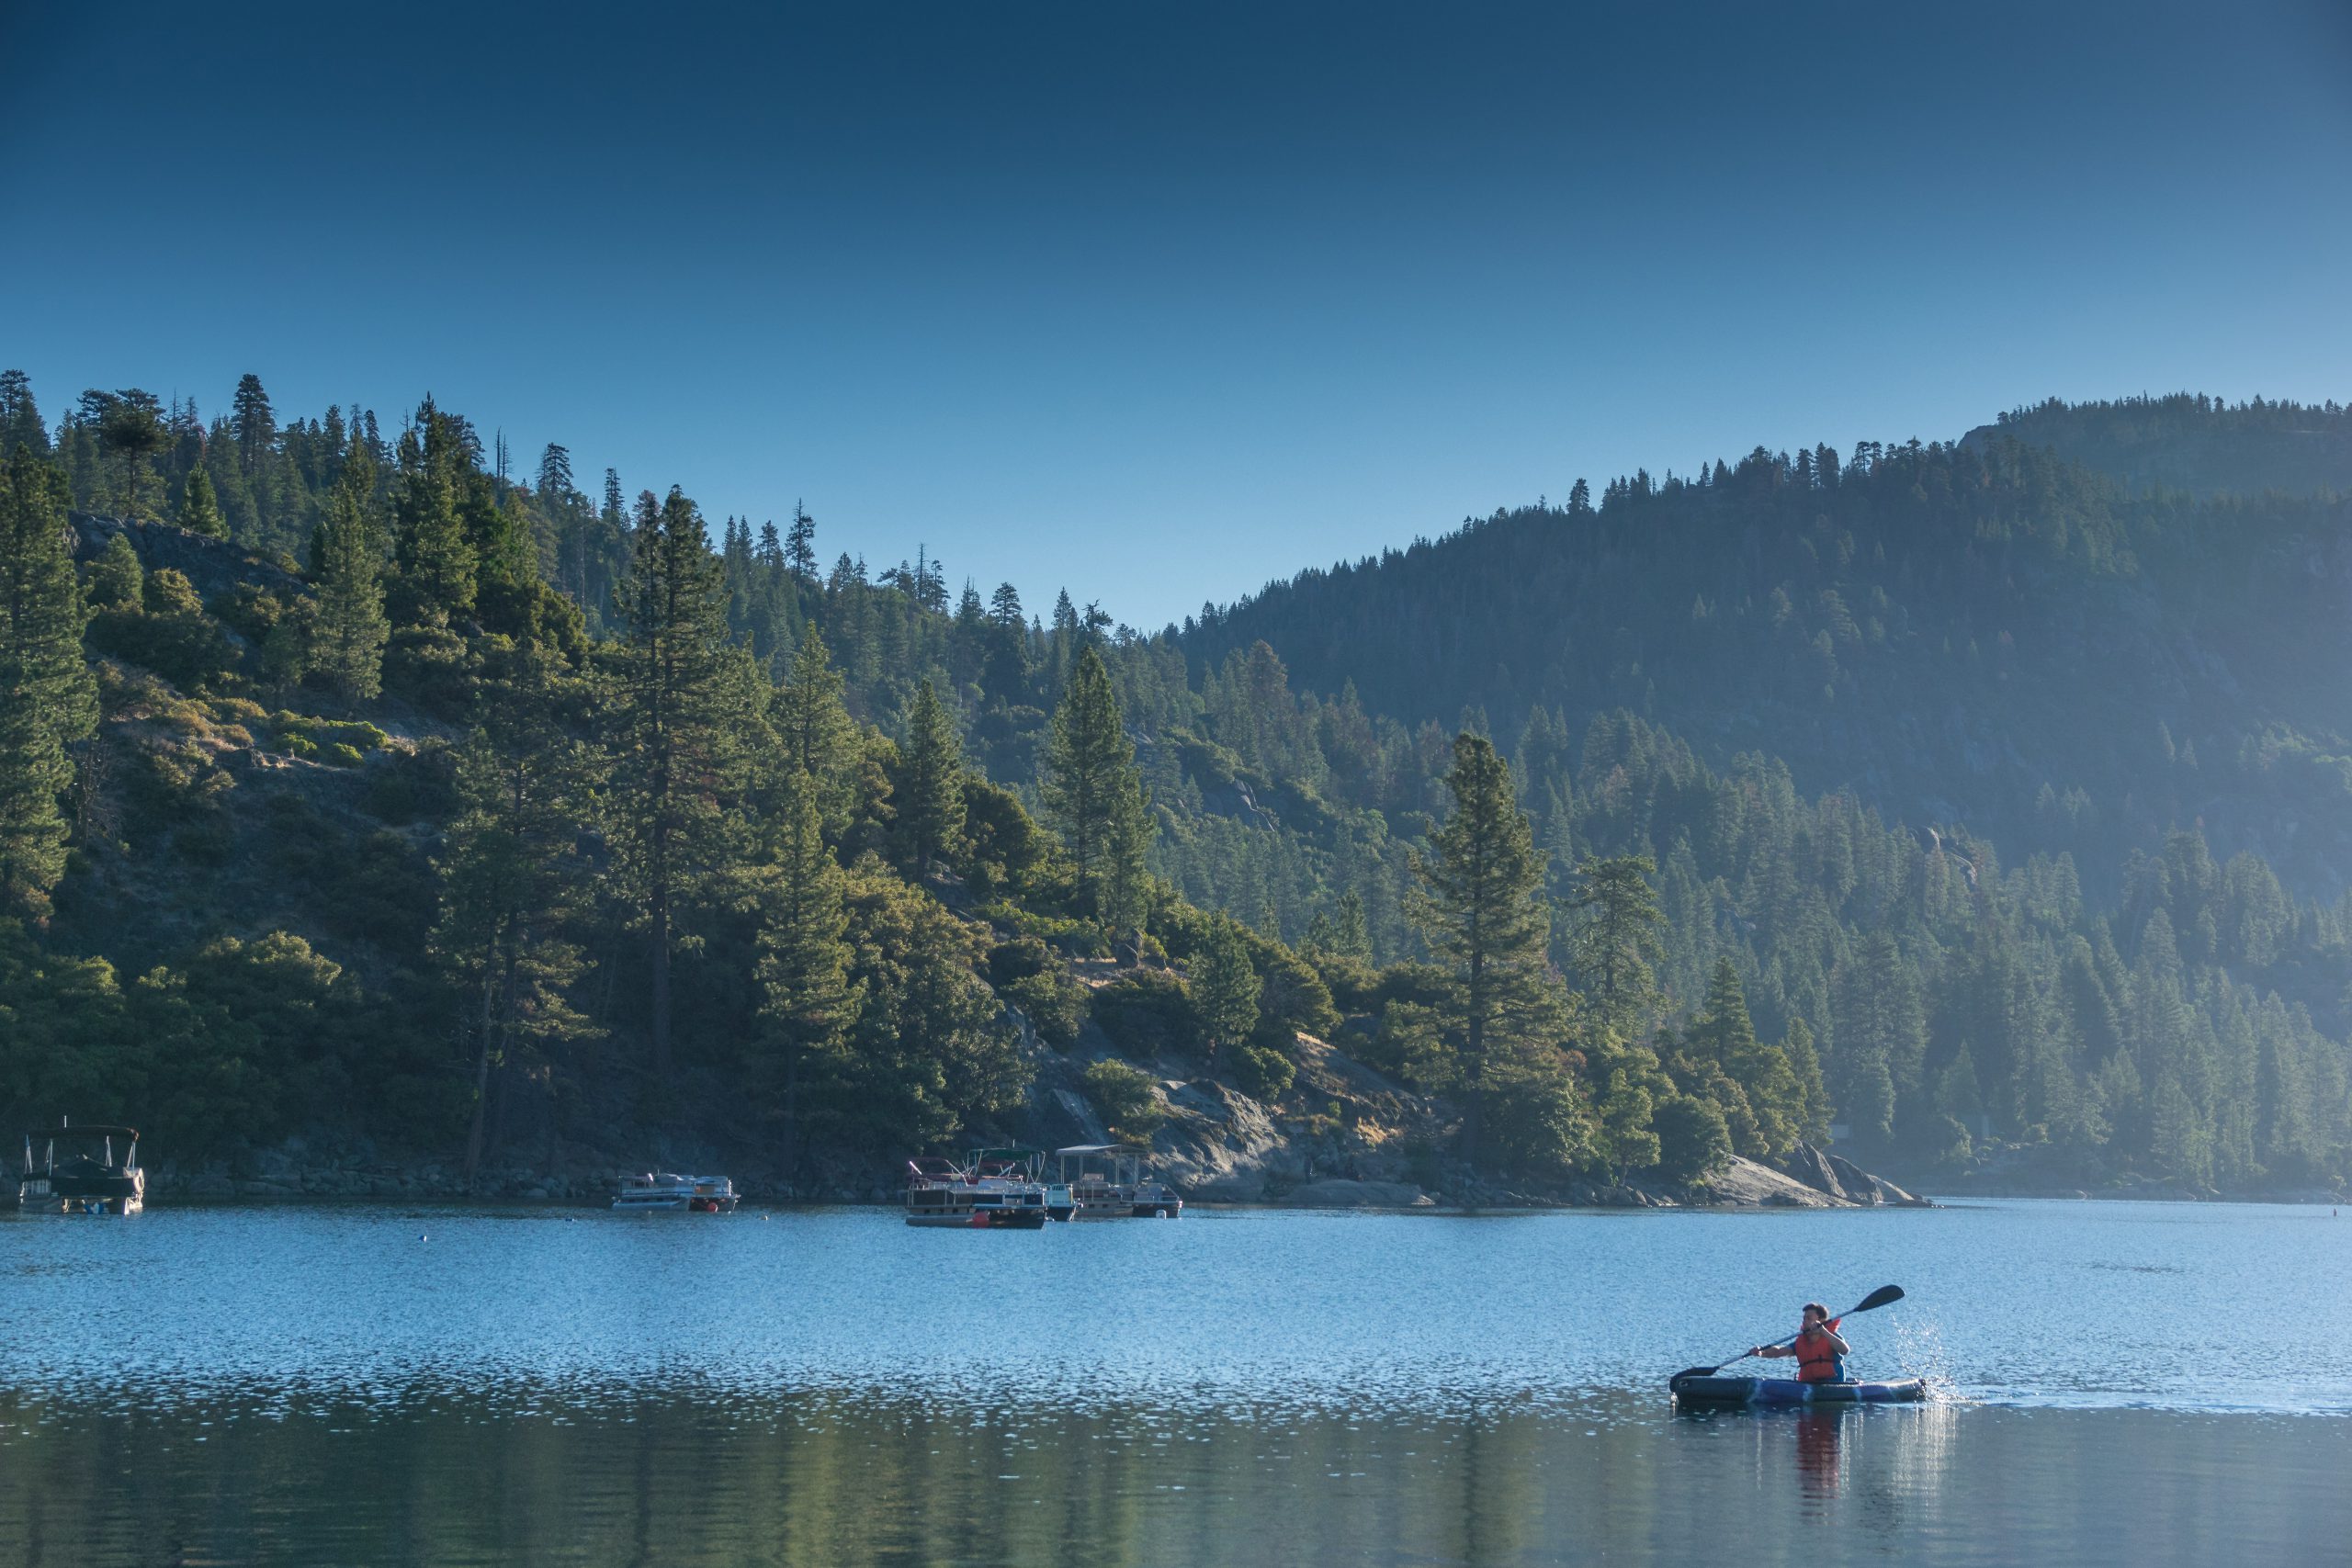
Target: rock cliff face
(212, 565)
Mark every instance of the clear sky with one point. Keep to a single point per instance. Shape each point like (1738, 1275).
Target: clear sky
(1158, 301)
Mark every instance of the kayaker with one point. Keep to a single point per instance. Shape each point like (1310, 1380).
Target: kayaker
(1820, 1352)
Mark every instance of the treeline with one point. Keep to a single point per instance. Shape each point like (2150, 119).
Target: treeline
(708, 809)
(2188, 442)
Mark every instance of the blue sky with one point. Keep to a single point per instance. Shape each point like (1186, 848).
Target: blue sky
(1160, 302)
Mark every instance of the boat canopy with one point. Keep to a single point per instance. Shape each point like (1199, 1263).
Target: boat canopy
(1080, 1151)
(87, 1130)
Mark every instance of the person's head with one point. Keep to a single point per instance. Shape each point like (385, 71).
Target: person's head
(1816, 1312)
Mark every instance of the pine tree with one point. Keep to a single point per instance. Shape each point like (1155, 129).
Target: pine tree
(48, 700)
(1093, 794)
(815, 733)
(1352, 935)
(928, 788)
(1614, 942)
(437, 563)
(1224, 988)
(199, 508)
(1812, 1107)
(809, 1001)
(1478, 903)
(681, 711)
(1723, 1039)
(511, 876)
(801, 547)
(20, 420)
(255, 424)
(117, 580)
(131, 427)
(348, 646)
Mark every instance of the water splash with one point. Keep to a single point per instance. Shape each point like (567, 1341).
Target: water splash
(1919, 1351)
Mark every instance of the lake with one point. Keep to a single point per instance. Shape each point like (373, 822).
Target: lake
(389, 1385)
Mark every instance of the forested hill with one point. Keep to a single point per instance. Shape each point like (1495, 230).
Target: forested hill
(353, 784)
(2192, 443)
(1983, 633)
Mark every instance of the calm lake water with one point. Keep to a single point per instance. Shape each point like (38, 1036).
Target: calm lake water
(2118, 1382)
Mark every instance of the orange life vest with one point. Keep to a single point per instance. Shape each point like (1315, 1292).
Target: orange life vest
(1818, 1360)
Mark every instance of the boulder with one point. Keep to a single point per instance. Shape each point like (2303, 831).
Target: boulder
(1744, 1183)
(1855, 1182)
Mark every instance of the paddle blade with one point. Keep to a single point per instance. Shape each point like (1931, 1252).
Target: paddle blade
(1886, 1295)
(1692, 1373)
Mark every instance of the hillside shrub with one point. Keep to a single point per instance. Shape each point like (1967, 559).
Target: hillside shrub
(1148, 1013)
(1123, 1095)
(1262, 1074)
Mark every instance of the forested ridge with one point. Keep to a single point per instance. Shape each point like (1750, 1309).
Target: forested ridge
(463, 807)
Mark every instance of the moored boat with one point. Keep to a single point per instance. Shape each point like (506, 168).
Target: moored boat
(99, 1174)
(668, 1192)
(1108, 1182)
(1723, 1391)
(993, 1190)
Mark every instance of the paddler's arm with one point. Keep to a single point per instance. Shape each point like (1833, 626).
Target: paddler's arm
(1837, 1340)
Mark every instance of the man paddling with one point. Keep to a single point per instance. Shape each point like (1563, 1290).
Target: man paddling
(1820, 1352)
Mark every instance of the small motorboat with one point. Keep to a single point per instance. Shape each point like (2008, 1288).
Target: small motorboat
(98, 1173)
(668, 1192)
(1723, 1391)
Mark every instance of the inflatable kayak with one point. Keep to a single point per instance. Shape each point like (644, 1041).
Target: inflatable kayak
(1789, 1391)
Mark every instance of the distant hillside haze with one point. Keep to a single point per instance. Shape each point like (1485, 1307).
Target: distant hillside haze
(2192, 443)
(1988, 632)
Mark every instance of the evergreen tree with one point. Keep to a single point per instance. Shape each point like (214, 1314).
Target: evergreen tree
(816, 736)
(804, 961)
(1476, 903)
(20, 421)
(117, 580)
(255, 424)
(511, 876)
(130, 429)
(681, 711)
(1093, 794)
(48, 700)
(1224, 988)
(1613, 943)
(348, 643)
(438, 565)
(928, 788)
(199, 508)
(801, 547)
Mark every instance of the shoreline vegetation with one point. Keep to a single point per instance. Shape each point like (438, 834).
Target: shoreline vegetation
(357, 795)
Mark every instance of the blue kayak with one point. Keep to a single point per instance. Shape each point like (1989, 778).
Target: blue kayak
(1789, 1391)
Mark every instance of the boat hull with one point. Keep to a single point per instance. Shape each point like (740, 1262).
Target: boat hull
(1167, 1209)
(1789, 1391)
(983, 1220)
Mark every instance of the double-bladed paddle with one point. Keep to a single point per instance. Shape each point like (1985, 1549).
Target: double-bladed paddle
(1883, 1296)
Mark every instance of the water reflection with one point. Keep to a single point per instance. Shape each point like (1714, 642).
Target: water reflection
(829, 1480)
(326, 1385)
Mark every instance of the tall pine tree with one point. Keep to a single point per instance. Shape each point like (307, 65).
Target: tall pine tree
(807, 1001)
(348, 646)
(928, 788)
(48, 700)
(680, 709)
(1093, 794)
(1477, 902)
